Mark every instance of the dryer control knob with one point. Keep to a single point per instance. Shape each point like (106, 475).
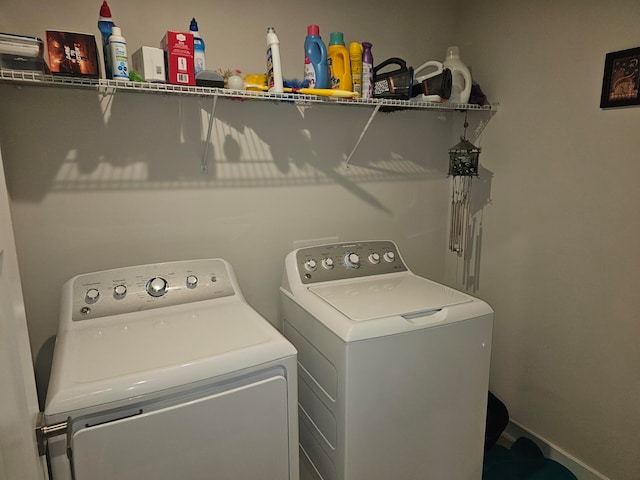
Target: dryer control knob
(327, 263)
(157, 287)
(374, 258)
(352, 260)
(310, 265)
(92, 295)
(389, 256)
(192, 281)
(119, 291)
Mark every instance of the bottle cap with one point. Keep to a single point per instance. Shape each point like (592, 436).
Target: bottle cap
(116, 32)
(453, 52)
(105, 11)
(194, 25)
(355, 48)
(336, 38)
(367, 45)
(313, 30)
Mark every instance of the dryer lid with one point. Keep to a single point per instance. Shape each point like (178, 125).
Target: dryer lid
(389, 295)
(118, 357)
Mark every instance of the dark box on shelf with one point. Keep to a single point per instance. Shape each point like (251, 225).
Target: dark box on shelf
(72, 54)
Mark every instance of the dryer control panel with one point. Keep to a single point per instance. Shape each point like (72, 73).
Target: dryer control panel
(339, 261)
(131, 289)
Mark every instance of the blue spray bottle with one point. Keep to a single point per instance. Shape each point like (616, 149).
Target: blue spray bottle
(105, 24)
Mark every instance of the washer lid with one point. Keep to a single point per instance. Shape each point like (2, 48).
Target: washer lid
(118, 357)
(388, 295)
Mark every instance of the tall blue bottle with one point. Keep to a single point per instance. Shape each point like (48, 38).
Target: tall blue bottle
(316, 70)
(105, 24)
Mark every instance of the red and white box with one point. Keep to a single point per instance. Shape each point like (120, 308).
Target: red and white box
(178, 55)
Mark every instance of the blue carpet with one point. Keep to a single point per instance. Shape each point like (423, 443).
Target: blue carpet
(523, 461)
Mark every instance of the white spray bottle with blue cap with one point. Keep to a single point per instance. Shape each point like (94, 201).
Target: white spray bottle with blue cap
(198, 48)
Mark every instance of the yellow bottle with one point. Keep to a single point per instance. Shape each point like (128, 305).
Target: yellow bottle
(355, 55)
(339, 63)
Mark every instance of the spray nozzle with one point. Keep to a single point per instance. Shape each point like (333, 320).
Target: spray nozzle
(194, 25)
(105, 11)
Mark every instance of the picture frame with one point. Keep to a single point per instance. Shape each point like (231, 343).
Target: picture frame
(621, 79)
(72, 54)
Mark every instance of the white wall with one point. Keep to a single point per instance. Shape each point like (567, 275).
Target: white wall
(559, 250)
(555, 219)
(105, 181)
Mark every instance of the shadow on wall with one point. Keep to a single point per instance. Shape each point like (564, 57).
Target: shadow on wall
(69, 140)
(480, 197)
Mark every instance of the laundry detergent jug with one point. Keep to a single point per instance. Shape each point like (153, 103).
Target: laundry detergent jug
(461, 88)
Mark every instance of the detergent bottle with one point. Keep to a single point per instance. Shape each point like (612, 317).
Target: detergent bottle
(461, 86)
(339, 63)
(105, 24)
(316, 69)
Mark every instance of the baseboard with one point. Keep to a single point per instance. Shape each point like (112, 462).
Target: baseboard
(551, 451)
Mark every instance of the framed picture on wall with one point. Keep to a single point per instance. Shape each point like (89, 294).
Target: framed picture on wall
(72, 54)
(621, 80)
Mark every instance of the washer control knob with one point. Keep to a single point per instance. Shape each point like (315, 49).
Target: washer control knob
(374, 258)
(192, 281)
(157, 287)
(119, 291)
(389, 257)
(327, 263)
(352, 260)
(310, 265)
(92, 295)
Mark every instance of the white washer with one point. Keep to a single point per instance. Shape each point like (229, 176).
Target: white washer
(165, 372)
(393, 369)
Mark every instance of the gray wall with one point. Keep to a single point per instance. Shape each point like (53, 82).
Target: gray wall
(103, 182)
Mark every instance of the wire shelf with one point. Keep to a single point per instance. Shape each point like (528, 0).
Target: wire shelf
(101, 85)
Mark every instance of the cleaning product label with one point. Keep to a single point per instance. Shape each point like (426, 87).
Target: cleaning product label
(367, 83)
(270, 75)
(119, 61)
(178, 47)
(198, 51)
(309, 73)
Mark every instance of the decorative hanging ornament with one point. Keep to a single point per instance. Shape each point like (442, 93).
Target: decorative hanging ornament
(463, 166)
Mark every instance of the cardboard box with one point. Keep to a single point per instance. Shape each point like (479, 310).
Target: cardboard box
(178, 52)
(148, 62)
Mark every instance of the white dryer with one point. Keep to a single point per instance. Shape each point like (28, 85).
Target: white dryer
(165, 372)
(393, 368)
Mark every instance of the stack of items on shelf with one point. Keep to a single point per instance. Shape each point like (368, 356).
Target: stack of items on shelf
(334, 70)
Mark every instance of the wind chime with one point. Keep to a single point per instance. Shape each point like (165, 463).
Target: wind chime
(463, 166)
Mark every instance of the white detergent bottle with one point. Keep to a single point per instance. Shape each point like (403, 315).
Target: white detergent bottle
(461, 86)
(118, 52)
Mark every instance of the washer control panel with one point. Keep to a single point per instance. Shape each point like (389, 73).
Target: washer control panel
(130, 289)
(348, 260)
